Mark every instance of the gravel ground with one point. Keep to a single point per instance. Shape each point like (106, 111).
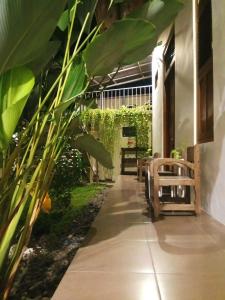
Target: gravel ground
(42, 268)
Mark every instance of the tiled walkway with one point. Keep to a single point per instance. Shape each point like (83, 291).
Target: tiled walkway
(126, 257)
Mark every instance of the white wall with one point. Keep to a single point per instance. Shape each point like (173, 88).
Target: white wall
(184, 101)
(158, 94)
(213, 154)
(184, 87)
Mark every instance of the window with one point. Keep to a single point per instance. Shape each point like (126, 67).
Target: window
(129, 131)
(156, 79)
(205, 68)
(169, 54)
(169, 96)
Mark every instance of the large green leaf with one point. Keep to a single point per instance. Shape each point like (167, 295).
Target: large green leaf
(140, 53)
(77, 79)
(95, 149)
(25, 28)
(76, 84)
(6, 241)
(47, 53)
(159, 12)
(65, 18)
(15, 88)
(112, 47)
(85, 7)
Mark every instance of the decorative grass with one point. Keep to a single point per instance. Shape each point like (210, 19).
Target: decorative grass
(82, 195)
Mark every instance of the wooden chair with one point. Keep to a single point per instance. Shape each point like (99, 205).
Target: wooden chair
(186, 172)
(141, 163)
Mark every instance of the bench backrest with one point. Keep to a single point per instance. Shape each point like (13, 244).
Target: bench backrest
(193, 154)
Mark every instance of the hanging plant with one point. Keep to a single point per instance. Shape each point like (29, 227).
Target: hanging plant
(107, 124)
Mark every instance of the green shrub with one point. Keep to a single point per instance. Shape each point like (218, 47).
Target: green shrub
(70, 168)
(68, 204)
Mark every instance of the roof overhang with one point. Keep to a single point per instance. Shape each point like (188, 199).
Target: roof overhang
(124, 75)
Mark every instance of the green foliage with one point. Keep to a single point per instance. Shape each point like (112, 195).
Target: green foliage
(132, 38)
(84, 7)
(65, 19)
(45, 55)
(112, 2)
(81, 195)
(76, 82)
(128, 35)
(15, 88)
(75, 85)
(145, 154)
(176, 153)
(68, 203)
(25, 28)
(108, 122)
(159, 12)
(96, 149)
(70, 168)
(148, 153)
(28, 167)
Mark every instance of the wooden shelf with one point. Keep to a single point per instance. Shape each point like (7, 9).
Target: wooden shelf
(129, 162)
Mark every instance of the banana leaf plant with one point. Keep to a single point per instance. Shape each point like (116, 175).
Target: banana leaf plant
(27, 28)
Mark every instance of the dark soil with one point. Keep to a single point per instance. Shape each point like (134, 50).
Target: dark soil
(44, 265)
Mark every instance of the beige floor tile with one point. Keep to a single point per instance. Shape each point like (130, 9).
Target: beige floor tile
(107, 286)
(121, 206)
(114, 255)
(182, 230)
(124, 248)
(204, 218)
(124, 212)
(131, 196)
(186, 287)
(188, 258)
(128, 231)
(136, 232)
(130, 216)
(212, 227)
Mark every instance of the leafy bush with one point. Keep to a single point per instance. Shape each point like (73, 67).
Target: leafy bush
(68, 204)
(70, 168)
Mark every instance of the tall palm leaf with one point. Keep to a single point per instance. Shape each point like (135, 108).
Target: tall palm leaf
(25, 28)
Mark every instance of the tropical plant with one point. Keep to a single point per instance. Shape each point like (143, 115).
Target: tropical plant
(26, 45)
(28, 168)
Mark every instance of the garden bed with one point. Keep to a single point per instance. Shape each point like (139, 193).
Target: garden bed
(56, 238)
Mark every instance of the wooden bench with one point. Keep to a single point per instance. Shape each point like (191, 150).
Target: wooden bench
(184, 173)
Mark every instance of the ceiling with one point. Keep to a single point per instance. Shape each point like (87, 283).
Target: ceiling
(125, 75)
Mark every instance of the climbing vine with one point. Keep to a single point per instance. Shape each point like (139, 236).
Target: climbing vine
(107, 123)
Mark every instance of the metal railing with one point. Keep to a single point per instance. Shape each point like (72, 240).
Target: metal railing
(115, 98)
